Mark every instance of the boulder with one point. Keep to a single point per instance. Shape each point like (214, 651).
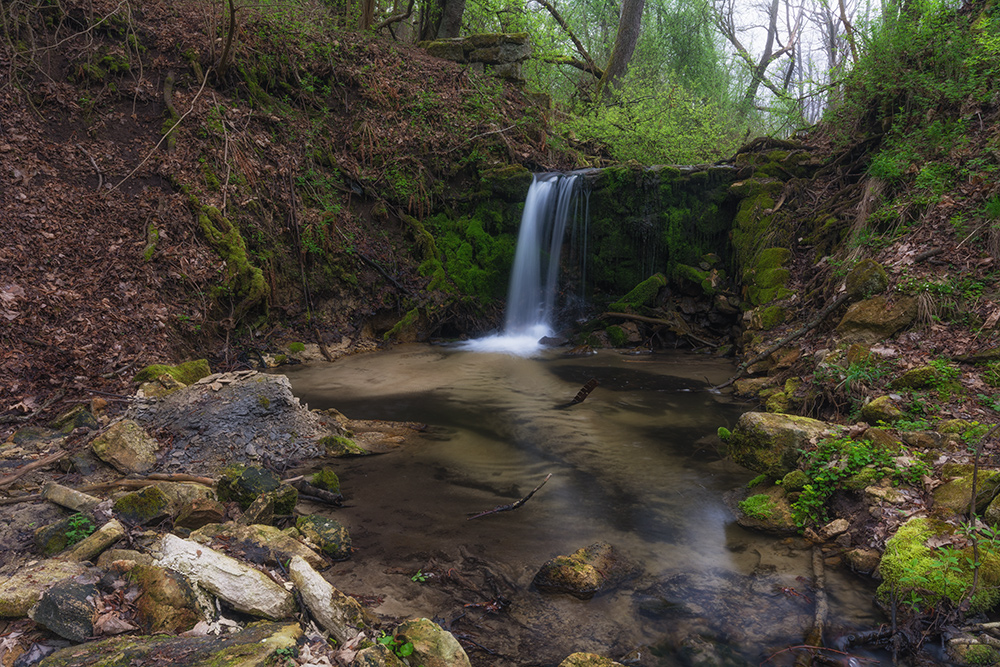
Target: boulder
(921, 377)
(54, 538)
(254, 646)
(866, 279)
(244, 588)
(270, 542)
(244, 485)
(770, 443)
(142, 507)
(881, 409)
(953, 496)
(329, 535)
(19, 592)
(200, 512)
(377, 656)
(433, 646)
(876, 319)
(588, 660)
(167, 602)
(763, 508)
(586, 572)
(67, 609)
(342, 616)
(127, 447)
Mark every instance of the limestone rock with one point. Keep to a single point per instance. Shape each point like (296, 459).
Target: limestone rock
(770, 443)
(864, 561)
(833, 529)
(277, 544)
(127, 447)
(143, 507)
(339, 614)
(881, 409)
(54, 538)
(329, 535)
(432, 645)
(588, 571)
(67, 609)
(244, 588)
(122, 560)
(19, 592)
(588, 660)
(253, 646)
(877, 319)
(200, 512)
(167, 603)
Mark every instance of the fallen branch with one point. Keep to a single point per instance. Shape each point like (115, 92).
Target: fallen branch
(640, 318)
(512, 506)
(309, 492)
(7, 480)
(15, 419)
(798, 333)
(33, 497)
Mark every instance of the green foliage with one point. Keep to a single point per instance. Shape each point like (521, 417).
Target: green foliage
(759, 506)
(477, 262)
(401, 648)
(80, 527)
(296, 347)
(420, 577)
(835, 463)
(724, 434)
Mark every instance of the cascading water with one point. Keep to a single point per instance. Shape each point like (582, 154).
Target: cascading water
(531, 297)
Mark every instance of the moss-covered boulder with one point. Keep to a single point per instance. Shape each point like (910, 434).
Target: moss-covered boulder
(257, 644)
(770, 443)
(341, 446)
(187, 373)
(881, 409)
(326, 479)
(866, 280)
(764, 508)
(921, 377)
(53, 538)
(586, 572)
(167, 603)
(876, 319)
(913, 563)
(954, 496)
(643, 294)
(244, 484)
(127, 447)
(143, 507)
(329, 535)
(509, 183)
(785, 401)
(433, 646)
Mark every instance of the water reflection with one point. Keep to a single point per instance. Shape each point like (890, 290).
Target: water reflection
(636, 464)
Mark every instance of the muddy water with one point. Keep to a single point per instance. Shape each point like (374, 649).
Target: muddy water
(636, 464)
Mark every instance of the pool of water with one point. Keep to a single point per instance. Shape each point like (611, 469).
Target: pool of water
(636, 464)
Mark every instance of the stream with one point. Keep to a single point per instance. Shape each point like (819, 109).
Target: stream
(637, 464)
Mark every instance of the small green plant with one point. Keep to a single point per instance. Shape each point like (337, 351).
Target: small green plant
(420, 577)
(399, 647)
(759, 479)
(79, 527)
(758, 507)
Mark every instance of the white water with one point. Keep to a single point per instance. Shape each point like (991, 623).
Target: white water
(534, 276)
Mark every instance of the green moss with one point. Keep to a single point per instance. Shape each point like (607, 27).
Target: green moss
(617, 336)
(326, 479)
(771, 316)
(340, 446)
(981, 654)
(756, 481)
(642, 294)
(794, 481)
(758, 506)
(187, 373)
(263, 401)
(143, 506)
(724, 434)
(406, 324)
(296, 348)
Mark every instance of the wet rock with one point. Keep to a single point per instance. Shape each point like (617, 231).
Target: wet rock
(326, 479)
(19, 592)
(329, 535)
(92, 545)
(770, 443)
(877, 319)
(864, 561)
(588, 660)
(242, 417)
(200, 512)
(585, 573)
(339, 614)
(763, 508)
(244, 485)
(271, 542)
(432, 645)
(127, 447)
(143, 507)
(167, 602)
(67, 609)
(253, 646)
(244, 588)
(881, 409)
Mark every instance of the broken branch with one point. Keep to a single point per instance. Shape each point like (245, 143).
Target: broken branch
(512, 506)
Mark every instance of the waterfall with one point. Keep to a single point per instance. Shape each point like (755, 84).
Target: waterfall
(531, 297)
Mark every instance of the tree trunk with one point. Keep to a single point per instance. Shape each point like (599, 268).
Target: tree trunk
(625, 41)
(451, 19)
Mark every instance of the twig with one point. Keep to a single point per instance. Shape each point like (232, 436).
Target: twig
(14, 419)
(166, 134)
(21, 499)
(100, 176)
(7, 480)
(512, 506)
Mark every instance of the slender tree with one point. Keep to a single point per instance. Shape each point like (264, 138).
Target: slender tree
(626, 38)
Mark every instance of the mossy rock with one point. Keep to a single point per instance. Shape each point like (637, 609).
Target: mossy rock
(187, 373)
(881, 409)
(167, 603)
(874, 320)
(243, 485)
(51, 539)
(770, 443)
(908, 564)
(866, 280)
(143, 507)
(794, 481)
(784, 401)
(510, 183)
(641, 295)
(586, 572)
(954, 496)
(329, 535)
(923, 377)
(326, 479)
(768, 317)
(337, 446)
(764, 508)
(76, 417)
(616, 335)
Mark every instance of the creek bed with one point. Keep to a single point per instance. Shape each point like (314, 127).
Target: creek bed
(636, 464)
